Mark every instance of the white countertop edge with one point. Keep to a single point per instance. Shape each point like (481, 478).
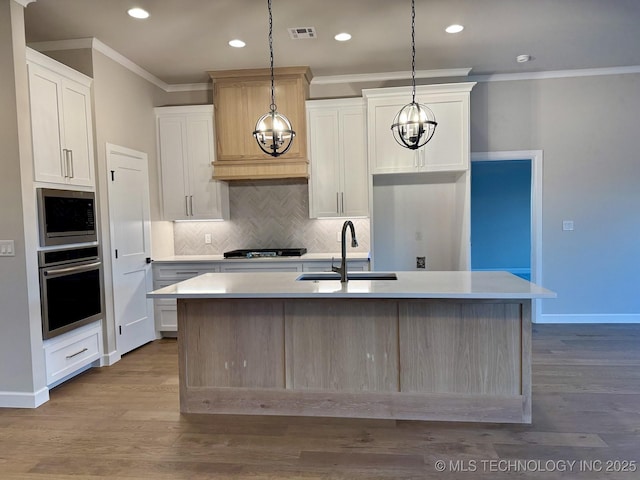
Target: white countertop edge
(307, 257)
(352, 295)
(443, 285)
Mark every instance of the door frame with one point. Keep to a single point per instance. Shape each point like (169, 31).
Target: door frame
(536, 158)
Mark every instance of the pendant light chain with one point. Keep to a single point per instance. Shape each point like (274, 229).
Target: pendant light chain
(413, 51)
(273, 95)
(414, 125)
(273, 132)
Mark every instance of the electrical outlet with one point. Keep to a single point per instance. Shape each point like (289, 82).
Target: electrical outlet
(207, 238)
(339, 237)
(421, 262)
(7, 248)
(567, 225)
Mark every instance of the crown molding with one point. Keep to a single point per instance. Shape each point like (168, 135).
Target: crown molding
(24, 3)
(584, 72)
(99, 46)
(387, 76)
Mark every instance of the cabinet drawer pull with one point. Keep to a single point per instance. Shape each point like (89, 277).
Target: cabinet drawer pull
(186, 205)
(77, 353)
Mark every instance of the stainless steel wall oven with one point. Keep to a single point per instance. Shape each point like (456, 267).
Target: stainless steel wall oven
(71, 288)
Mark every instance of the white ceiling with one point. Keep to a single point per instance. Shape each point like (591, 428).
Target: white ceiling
(183, 39)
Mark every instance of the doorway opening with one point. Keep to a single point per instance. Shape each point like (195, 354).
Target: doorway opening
(511, 184)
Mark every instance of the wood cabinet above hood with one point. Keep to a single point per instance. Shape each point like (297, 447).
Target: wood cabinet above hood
(240, 97)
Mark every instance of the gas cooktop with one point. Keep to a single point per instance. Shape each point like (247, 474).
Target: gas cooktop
(265, 252)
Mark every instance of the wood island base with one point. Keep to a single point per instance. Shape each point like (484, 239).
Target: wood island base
(417, 359)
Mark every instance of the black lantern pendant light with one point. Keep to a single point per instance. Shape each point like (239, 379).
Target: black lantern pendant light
(273, 130)
(415, 124)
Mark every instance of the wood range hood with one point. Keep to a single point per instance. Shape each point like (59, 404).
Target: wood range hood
(240, 97)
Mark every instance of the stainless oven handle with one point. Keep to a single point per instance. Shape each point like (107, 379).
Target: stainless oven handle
(78, 268)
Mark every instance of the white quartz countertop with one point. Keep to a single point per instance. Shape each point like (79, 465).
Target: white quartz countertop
(307, 257)
(462, 285)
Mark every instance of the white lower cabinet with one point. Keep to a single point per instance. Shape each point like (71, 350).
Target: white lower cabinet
(72, 352)
(261, 267)
(165, 309)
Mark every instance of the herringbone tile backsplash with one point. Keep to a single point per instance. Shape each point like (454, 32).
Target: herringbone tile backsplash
(267, 214)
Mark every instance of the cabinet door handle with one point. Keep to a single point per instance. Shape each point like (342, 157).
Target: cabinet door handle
(64, 165)
(186, 205)
(71, 173)
(191, 204)
(337, 202)
(342, 202)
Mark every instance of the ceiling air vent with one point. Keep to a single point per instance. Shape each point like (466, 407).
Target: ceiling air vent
(302, 32)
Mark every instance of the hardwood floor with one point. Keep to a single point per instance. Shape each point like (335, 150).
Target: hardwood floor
(122, 422)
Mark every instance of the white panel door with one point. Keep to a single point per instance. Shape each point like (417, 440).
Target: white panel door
(131, 247)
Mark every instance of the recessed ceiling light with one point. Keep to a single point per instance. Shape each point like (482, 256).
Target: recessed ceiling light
(523, 58)
(138, 13)
(237, 43)
(342, 37)
(454, 28)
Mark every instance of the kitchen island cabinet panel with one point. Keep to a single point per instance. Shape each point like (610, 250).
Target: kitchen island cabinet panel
(484, 336)
(341, 346)
(358, 349)
(234, 344)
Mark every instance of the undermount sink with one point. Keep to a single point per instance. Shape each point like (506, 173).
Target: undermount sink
(350, 276)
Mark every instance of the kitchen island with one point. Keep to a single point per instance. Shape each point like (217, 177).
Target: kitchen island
(450, 346)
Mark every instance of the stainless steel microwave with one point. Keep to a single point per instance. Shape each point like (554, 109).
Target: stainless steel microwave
(66, 216)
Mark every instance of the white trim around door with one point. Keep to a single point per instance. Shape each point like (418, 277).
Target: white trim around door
(536, 158)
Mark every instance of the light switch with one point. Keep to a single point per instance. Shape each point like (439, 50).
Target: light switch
(567, 225)
(7, 248)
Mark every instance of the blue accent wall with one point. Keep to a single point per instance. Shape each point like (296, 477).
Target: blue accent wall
(501, 215)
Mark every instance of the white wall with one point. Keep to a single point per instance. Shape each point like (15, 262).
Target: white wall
(587, 128)
(22, 379)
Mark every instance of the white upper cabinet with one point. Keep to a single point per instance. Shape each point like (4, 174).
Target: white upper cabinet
(337, 145)
(186, 152)
(448, 150)
(61, 124)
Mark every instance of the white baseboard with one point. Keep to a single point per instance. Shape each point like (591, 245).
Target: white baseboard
(24, 399)
(110, 358)
(590, 318)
